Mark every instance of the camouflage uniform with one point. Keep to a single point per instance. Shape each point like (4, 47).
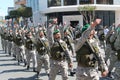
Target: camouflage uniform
(5, 41)
(42, 48)
(59, 57)
(68, 40)
(19, 47)
(111, 56)
(10, 39)
(30, 51)
(117, 47)
(87, 69)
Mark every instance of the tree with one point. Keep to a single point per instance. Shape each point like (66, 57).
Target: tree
(88, 13)
(7, 17)
(14, 14)
(25, 12)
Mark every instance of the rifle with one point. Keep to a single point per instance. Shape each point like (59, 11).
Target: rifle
(44, 45)
(64, 50)
(69, 43)
(95, 53)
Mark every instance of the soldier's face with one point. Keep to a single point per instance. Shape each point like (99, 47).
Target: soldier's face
(29, 35)
(41, 34)
(91, 34)
(57, 36)
(65, 33)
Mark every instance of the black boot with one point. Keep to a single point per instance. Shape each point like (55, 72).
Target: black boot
(28, 67)
(72, 73)
(34, 70)
(25, 63)
(110, 75)
(18, 62)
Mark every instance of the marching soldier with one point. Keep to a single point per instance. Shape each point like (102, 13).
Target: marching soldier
(10, 39)
(19, 43)
(42, 48)
(117, 48)
(68, 40)
(50, 30)
(60, 57)
(111, 56)
(88, 55)
(30, 50)
(5, 39)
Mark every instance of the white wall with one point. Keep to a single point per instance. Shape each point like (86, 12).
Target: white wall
(117, 17)
(42, 4)
(39, 18)
(116, 2)
(69, 18)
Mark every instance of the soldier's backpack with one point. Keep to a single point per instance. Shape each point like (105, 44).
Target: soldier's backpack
(85, 56)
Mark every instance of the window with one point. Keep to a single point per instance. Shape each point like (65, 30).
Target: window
(70, 2)
(54, 3)
(104, 1)
(86, 1)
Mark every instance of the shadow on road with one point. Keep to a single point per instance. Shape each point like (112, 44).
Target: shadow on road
(22, 78)
(14, 70)
(7, 64)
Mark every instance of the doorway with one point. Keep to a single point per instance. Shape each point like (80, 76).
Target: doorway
(74, 23)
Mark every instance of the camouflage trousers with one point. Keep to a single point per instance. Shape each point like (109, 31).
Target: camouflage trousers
(117, 71)
(18, 54)
(89, 73)
(43, 60)
(57, 66)
(9, 47)
(3, 44)
(23, 54)
(31, 54)
(111, 57)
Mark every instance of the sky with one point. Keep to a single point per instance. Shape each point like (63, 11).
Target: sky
(4, 4)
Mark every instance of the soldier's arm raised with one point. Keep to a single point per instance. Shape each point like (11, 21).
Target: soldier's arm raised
(79, 42)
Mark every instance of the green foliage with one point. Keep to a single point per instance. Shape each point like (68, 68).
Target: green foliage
(25, 12)
(7, 17)
(88, 12)
(14, 14)
(87, 8)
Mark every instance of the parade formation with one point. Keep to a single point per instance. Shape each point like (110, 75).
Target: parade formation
(55, 46)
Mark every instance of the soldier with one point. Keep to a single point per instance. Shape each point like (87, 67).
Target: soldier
(50, 30)
(30, 50)
(1, 34)
(117, 48)
(2, 38)
(10, 39)
(19, 46)
(88, 54)
(110, 51)
(5, 39)
(42, 48)
(59, 57)
(69, 41)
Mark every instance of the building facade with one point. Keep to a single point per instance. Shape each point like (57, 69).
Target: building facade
(18, 3)
(67, 10)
